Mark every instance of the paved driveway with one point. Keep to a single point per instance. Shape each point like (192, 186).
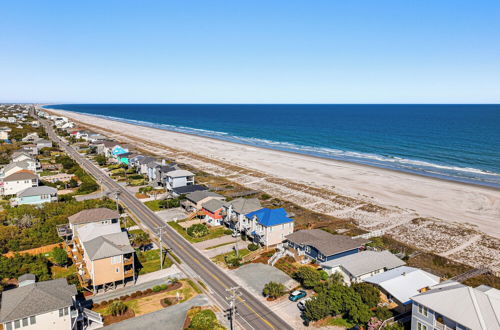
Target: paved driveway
(176, 213)
(216, 241)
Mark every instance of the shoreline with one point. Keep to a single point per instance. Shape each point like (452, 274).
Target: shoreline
(436, 177)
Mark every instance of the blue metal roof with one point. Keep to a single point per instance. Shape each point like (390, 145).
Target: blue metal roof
(270, 217)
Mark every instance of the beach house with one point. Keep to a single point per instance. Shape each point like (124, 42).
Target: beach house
(235, 211)
(268, 226)
(213, 211)
(178, 178)
(100, 249)
(403, 283)
(11, 168)
(19, 156)
(354, 268)
(18, 181)
(48, 305)
(452, 305)
(319, 245)
(4, 133)
(195, 200)
(35, 196)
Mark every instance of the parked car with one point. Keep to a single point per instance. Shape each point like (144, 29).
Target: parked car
(297, 294)
(302, 304)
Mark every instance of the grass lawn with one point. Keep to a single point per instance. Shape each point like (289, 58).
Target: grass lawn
(214, 232)
(62, 272)
(153, 205)
(336, 321)
(220, 257)
(127, 222)
(218, 245)
(150, 261)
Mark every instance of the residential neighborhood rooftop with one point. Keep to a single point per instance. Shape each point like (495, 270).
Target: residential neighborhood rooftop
(36, 191)
(326, 243)
(197, 196)
(36, 298)
(404, 282)
(213, 205)
(108, 246)
(179, 173)
(244, 205)
(365, 262)
(21, 175)
(189, 189)
(270, 217)
(93, 230)
(474, 308)
(93, 215)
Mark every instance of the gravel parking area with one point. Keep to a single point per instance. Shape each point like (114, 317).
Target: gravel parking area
(172, 214)
(255, 276)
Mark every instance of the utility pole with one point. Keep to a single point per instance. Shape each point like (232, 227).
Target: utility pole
(160, 232)
(117, 200)
(231, 312)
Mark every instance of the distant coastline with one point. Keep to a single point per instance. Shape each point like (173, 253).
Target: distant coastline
(467, 175)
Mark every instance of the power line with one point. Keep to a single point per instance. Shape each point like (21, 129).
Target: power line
(231, 312)
(160, 233)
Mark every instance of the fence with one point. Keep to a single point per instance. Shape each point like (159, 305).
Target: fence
(38, 250)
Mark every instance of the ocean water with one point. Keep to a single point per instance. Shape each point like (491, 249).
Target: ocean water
(455, 142)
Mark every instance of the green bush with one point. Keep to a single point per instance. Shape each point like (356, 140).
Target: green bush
(228, 232)
(323, 275)
(274, 290)
(156, 288)
(167, 301)
(204, 320)
(253, 247)
(117, 308)
(232, 260)
(308, 277)
(60, 256)
(198, 230)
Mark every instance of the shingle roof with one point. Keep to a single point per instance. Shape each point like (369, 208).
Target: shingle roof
(404, 282)
(93, 215)
(92, 230)
(325, 242)
(189, 189)
(36, 298)
(36, 191)
(179, 173)
(366, 262)
(21, 175)
(197, 196)
(108, 246)
(22, 164)
(244, 205)
(146, 160)
(270, 217)
(213, 205)
(474, 308)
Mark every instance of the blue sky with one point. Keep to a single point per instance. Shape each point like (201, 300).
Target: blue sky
(332, 51)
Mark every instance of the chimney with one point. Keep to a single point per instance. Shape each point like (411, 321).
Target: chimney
(26, 279)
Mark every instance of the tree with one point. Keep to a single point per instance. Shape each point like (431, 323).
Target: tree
(274, 290)
(141, 239)
(204, 320)
(308, 277)
(369, 294)
(117, 308)
(198, 230)
(336, 277)
(317, 308)
(60, 256)
(323, 274)
(73, 183)
(382, 313)
(394, 326)
(101, 160)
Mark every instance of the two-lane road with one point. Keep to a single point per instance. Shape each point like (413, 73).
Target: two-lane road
(251, 313)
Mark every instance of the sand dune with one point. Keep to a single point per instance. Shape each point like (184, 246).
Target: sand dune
(402, 197)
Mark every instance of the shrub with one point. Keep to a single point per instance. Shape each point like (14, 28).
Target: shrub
(308, 277)
(265, 196)
(148, 291)
(369, 294)
(117, 308)
(96, 305)
(323, 275)
(232, 260)
(204, 319)
(167, 301)
(60, 256)
(253, 247)
(163, 287)
(156, 288)
(274, 290)
(198, 230)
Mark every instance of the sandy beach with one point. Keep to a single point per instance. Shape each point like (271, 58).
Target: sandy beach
(460, 221)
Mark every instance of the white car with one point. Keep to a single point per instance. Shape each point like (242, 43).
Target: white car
(302, 304)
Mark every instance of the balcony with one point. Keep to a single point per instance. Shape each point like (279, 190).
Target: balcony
(441, 326)
(128, 261)
(129, 272)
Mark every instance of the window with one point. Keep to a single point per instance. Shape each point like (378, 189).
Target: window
(32, 319)
(116, 259)
(117, 270)
(25, 322)
(307, 248)
(422, 310)
(420, 326)
(66, 311)
(61, 312)
(8, 325)
(17, 324)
